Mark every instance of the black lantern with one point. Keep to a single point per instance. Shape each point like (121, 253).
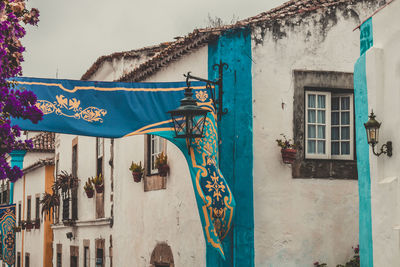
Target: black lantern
(188, 118)
(372, 127)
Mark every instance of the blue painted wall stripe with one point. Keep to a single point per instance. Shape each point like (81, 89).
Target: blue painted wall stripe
(236, 149)
(362, 147)
(17, 159)
(364, 178)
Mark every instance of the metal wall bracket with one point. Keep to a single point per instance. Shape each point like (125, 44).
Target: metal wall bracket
(218, 102)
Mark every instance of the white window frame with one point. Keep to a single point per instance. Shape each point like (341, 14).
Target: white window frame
(328, 127)
(155, 151)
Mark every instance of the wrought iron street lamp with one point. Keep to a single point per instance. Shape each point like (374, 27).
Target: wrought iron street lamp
(372, 127)
(188, 118)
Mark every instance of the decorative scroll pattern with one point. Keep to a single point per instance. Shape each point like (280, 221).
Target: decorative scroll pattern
(217, 197)
(202, 95)
(7, 223)
(71, 108)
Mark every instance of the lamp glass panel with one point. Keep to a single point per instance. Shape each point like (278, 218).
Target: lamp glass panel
(179, 125)
(198, 125)
(373, 135)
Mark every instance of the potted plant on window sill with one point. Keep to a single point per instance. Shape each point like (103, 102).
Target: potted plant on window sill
(288, 149)
(23, 225)
(137, 171)
(98, 182)
(37, 224)
(69, 222)
(17, 229)
(89, 189)
(162, 165)
(29, 225)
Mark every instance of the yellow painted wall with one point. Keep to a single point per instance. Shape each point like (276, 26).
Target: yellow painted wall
(48, 220)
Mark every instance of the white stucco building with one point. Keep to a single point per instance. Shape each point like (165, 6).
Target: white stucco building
(291, 68)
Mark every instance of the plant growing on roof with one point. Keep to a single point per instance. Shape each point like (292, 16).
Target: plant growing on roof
(49, 202)
(89, 189)
(137, 171)
(98, 182)
(288, 149)
(161, 164)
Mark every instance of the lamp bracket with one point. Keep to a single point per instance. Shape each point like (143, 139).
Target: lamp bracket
(218, 104)
(385, 149)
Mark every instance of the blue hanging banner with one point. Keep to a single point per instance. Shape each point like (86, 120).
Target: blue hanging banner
(7, 224)
(111, 109)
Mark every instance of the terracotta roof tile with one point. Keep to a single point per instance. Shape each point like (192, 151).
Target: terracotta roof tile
(43, 142)
(38, 164)
(148, 51)
(169, 54)
(200, 37)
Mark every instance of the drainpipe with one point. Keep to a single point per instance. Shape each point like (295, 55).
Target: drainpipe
(17, 159)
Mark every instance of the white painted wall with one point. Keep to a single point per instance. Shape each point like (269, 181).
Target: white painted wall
(299, 221)
(383, 82)
(87, 226)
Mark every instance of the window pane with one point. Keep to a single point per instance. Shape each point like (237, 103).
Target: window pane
(311, 147)
(335, 103)
(335, 118)
(321, 116)
(311, 116)
(345, 133)
(311, 131)
(345, 103)
(321, 132)
(335, 148)
(311, 101)
(321, 147)
(345, 146)
(345, 118)
(335, 133)
(321, 101)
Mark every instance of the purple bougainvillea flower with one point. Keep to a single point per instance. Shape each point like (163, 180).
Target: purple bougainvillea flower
(14, 103)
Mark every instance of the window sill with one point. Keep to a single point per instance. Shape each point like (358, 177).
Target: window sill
(154, 182)
(87, 223)
(325, 169)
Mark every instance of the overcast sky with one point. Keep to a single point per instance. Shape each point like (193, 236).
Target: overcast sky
(72, 34)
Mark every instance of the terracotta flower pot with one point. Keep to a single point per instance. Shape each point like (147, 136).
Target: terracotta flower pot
(89, 193)
(29, 225)
(288, 155)
(99, 188)
(163, 170)
(137, 176)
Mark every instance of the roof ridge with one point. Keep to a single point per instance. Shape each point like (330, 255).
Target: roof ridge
(100, 60)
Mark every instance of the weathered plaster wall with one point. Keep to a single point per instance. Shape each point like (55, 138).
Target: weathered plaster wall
(383, 83)
(299, 221)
